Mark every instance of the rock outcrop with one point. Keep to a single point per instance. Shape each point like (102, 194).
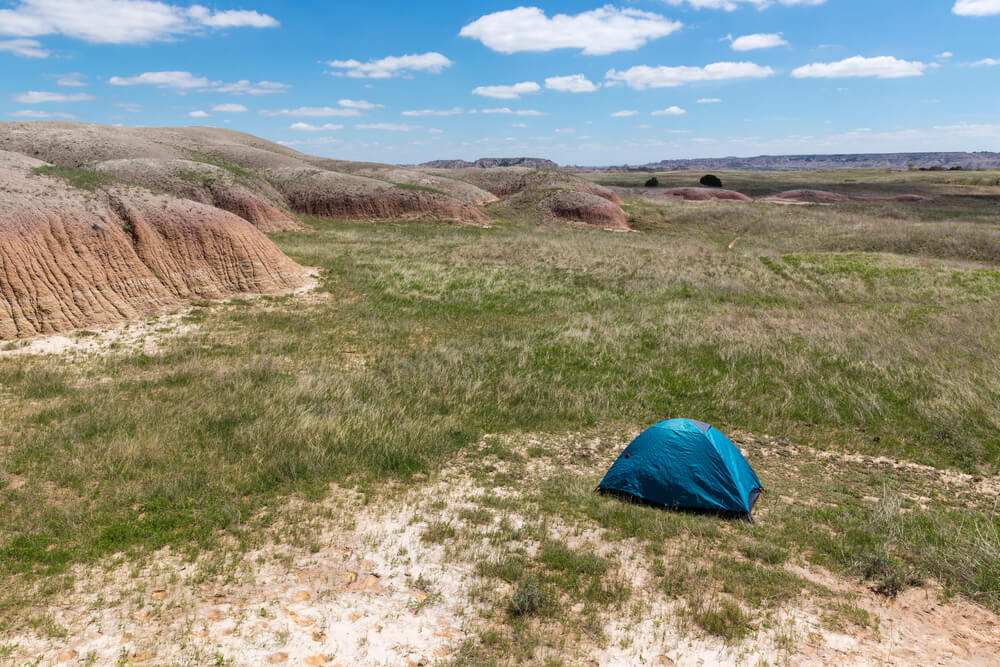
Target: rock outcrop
(72, 257)
(507, 181)
(330, 194)
(251, 198)
(588, 209)
(705, 194)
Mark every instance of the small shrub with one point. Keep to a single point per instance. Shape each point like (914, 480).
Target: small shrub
(889, 577)
(653, 182)
(725, 620)
(529, 598)
(438, 532)
(710, 181)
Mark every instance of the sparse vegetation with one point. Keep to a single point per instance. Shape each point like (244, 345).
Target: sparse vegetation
(83, 179)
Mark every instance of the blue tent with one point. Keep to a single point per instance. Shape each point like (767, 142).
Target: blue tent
(685, 463)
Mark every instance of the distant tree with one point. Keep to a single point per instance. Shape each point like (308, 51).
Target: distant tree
(654, 182)
(710, 181)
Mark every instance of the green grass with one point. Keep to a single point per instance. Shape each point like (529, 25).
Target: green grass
(83, 179)
(868, 328)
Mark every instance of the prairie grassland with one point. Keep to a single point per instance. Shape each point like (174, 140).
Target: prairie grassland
(867, 328)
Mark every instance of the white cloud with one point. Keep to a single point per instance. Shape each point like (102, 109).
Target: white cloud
(642, 77)
(24, 48)
(506, 111)
(361, 105)
(986, 62)
(518, 125)
(175, 80)
(624, 114)
(312, 112)
(73, 80)
(596, 32)
(574, 83)
(758, 41)
(457, 111)
(977, 7)
(709, 100)
(945, 56)
(883, 67)
(388, 127)
(229, 108)
(507, 92)
(391, 66)
(670, 111)
(41, 115)
(730, 5)
(36, 97)
(199, 114)
(186, 81)
(120, 21)
(306, 127)
(244, 87)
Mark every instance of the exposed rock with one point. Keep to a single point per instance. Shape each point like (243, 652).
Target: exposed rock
(705, 194)
(330, 194)
(253, 199)
(508, 181)
(493, 162)
(71, 258)
(809, 196)
(464, 192)
(582, 207)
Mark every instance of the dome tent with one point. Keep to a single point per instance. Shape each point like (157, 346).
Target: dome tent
(685, 464)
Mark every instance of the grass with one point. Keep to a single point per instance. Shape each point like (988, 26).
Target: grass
(870, 328)
(83, 179)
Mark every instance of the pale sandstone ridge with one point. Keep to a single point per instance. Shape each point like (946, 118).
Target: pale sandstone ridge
(72, 258)
(253, 199)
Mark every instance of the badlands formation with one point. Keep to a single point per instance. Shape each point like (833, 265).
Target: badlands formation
(103, 224)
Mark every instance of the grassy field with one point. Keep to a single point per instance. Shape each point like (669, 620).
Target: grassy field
(871, 328)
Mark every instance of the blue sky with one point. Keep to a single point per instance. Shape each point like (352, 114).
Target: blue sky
(577, 82)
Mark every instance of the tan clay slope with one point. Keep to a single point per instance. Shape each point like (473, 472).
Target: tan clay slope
(253, 199)
(506, 181)
(246, 157)
(585, 208)
(73, 258)
(330, 194)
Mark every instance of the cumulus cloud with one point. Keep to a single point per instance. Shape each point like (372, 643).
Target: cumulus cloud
(41, 115)
(186, 81)
(388, 127)
(199, 114)
(624, 114)
(709, 100)
(882, 67)
(758, 41)
(600, 31)
(643, 77)
(312, 112)
(507, 92)
(120, 21)
(506, 111)
(72, 80)
(945, 55)
(731, 5)
(361, 105)
(229, 108)
(457, 111)
(306, 127)
(574, 83)
(987, 62)
(24, 48)
(670, 111)
(977, 7)
(386, 68)
(36, 97)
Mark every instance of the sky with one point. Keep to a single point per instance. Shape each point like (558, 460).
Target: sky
(585, 83)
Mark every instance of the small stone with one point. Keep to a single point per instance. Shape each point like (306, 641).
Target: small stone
(66, 656)
(447, 633)
(356, 615)
(663, 660)
(419, 596)
(126, 638)
(305, 622)
(214, 615)
(159, 594)
(277, 658)
(317, 659)
(442, 652)
(142, 657)
(302, 597)
(368, 565)
(319, 636)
